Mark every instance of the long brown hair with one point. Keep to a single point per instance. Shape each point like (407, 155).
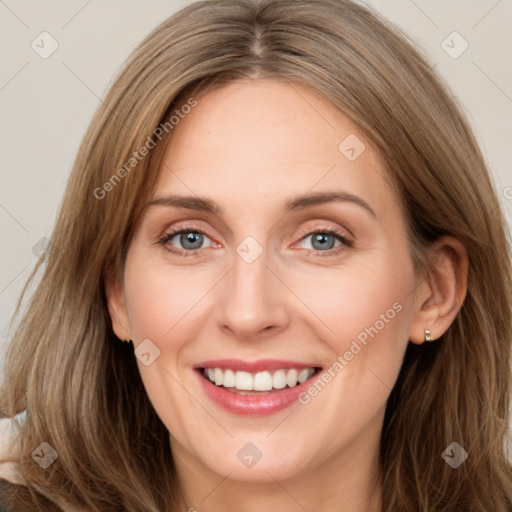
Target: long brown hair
(80, 385)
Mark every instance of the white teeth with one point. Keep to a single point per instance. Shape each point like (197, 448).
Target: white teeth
(303, 375)
(229, 379)
(292, 377)
(279, 379)
(243, 380)
(260, 381)
(218, 375)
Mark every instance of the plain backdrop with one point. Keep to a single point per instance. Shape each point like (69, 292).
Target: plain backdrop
(47, 103)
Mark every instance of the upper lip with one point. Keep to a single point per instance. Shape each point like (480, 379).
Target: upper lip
(254, 366)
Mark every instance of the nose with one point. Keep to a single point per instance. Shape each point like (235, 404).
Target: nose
(252, 300)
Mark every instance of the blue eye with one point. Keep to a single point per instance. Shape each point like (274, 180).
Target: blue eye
(322, 241)
(190, 241)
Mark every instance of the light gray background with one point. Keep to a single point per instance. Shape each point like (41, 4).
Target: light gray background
(46, 104)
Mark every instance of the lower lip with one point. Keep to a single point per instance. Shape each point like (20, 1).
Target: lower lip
(253, 405)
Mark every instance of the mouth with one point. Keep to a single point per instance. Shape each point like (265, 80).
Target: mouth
(255, 388)
(246, 383)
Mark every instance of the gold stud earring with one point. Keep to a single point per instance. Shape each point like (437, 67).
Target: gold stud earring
(428, 335)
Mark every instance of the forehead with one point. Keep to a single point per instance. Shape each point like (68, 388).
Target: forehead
(253, 141)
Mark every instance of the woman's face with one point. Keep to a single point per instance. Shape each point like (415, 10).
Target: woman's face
(272, 279)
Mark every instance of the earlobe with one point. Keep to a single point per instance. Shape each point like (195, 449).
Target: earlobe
(117, 308)
(441, 293)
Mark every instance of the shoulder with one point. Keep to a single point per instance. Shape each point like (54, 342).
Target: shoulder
(9, 451)
(17, 498)
(12, 483)
(4, 487)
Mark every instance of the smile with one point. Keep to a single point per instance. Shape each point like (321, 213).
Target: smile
(261, 381)
(255, 388)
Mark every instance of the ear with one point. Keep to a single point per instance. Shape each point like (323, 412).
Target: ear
(117, 307)
(440, 294)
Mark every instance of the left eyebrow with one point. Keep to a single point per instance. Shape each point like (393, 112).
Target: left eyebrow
(293, 204)
(308, 200)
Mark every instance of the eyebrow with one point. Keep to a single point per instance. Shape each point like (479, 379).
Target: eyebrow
(293, 204)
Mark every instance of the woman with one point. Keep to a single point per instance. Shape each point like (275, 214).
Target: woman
(279, 280)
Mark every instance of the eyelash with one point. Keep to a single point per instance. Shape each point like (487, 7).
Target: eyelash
(346, 243)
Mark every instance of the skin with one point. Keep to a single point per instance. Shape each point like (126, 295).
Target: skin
(249, 146)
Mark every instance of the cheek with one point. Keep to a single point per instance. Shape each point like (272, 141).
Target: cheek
(164, 305)
(363, 315)
(161, 300)
(362, 303)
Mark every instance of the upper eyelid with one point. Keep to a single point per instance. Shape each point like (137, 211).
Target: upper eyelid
(302, 233)
(314, 229)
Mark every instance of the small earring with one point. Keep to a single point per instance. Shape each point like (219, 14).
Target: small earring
(428, 335)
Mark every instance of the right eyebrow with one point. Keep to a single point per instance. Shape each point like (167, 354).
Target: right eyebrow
(188, 202)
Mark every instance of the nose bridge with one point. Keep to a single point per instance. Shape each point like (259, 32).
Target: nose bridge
(252, 301)
(250, 273)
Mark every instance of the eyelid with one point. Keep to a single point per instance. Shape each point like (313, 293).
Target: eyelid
(190, 225)
(311, 229)
(347, 241)
(170, 233)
